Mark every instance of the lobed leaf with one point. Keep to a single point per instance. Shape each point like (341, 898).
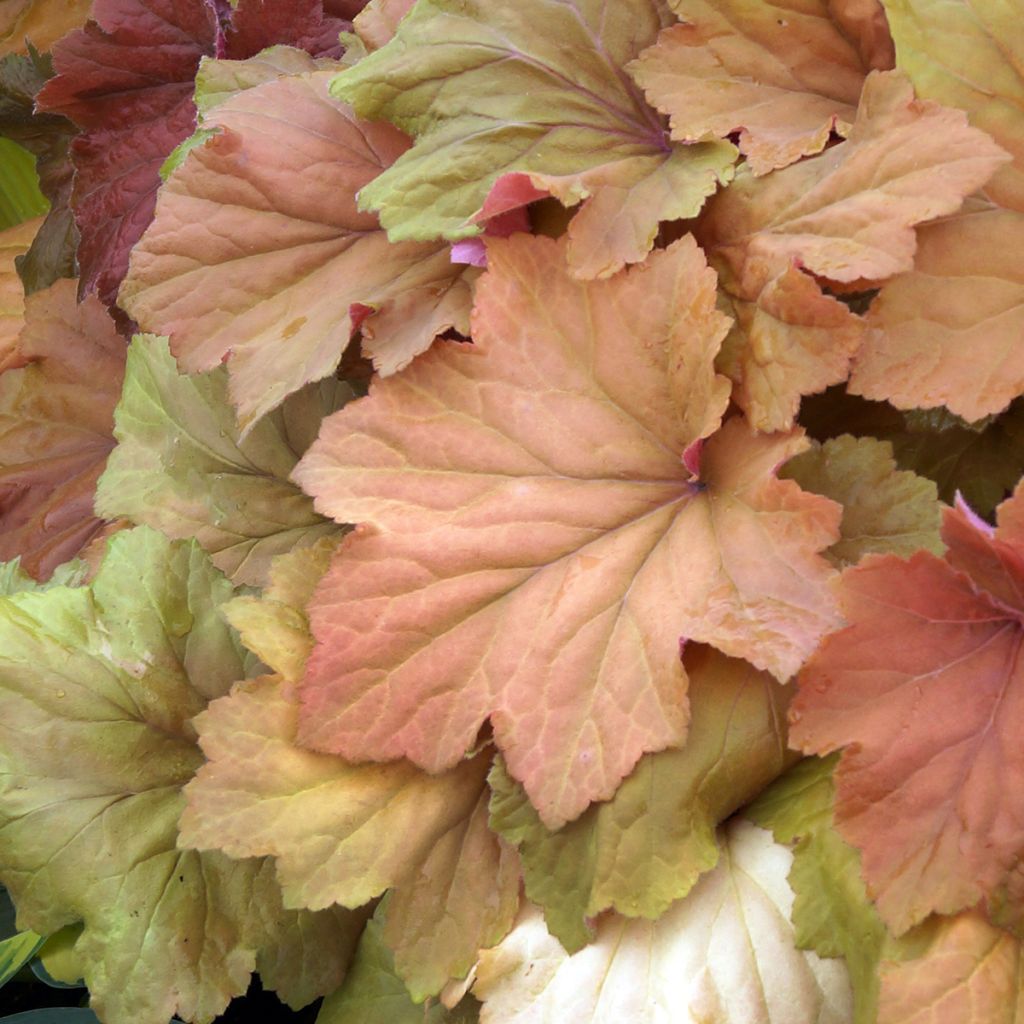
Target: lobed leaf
(533, 545)
(787, 341)
(725, 953)
(98, 686)
(781, 75)
(181, 466)
(924, 689)
(56, 421)
(530, 99)
(239, 263)
(647, 846)
(849, 213)
(333, 830)
(274, 626)
(885, 510)
(374, 994)
(948, 332)
(981, 461)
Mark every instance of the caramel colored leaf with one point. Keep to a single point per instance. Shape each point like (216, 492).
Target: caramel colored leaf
(970, 973)
(864, 22)
(378, 21)
(240, 263)
(849, 213)
(724, 954)
(98, 687)
(343, 833)
(14, 242)
(535, 90)
(181, 467)
(646, 847)
(924, 689)
(949, 331)
(39, 22)
(56, 423)
(885, 510)
(970, 54)
(781, 74)
(788, 340)
(533, 547)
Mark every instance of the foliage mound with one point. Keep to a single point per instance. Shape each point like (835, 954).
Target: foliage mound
(512, 511)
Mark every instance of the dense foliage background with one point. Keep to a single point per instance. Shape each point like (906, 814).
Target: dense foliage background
(512, 512)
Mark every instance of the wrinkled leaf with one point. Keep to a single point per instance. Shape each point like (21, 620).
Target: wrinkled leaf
(782, 75)
(98, 688)
(536, 92)
(334, 831)
(885, 510)
(56, 421)
(180, 466)
(533, 547)
(286, 274)
(849, 213)
(725, 953)
(787, 341)
(924, 689)
(646, 847)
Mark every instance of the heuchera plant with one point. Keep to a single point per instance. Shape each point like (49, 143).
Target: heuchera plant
(511, 509)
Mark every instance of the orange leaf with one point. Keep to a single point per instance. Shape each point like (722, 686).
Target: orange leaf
(240, 263)
(969, 974)
(949, 331)
(56, 427)
(864, 22)
(534, 546)
(850, 212)
(925, 689)
(781, 74)
(791, 340)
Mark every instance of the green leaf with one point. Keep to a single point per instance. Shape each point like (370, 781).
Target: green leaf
(14, 579)
(98, 688)
(58, 965)
(982, 461)
(832, 913)
(180, 467)
(374, 994)
(885, 510)
(219, 80)
(647, 846)
(16, 951)
(20, 198)
(534, 90)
